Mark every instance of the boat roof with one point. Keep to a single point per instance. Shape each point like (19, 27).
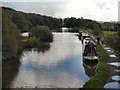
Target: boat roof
(90, 44)
(87, 38)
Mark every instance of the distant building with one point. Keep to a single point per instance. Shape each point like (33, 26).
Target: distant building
(119, 11)
(107, 26)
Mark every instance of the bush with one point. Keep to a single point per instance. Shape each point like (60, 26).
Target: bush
(43, 33)
(31, 42)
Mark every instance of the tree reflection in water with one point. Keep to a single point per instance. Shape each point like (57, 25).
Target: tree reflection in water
(10, 67)
(44, 47)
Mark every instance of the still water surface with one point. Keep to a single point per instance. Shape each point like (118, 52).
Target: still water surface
(58, 66)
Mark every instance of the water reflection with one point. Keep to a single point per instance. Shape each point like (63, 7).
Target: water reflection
(63, 46)
(59, 65)
(90, 67)
(46, 80)
(112, 85)
(10, 70)
(43, 47)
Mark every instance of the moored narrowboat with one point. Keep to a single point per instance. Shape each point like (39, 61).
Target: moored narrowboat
(90, 52)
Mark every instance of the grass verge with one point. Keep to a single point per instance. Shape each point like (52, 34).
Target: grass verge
(109, 32)
(103, 72)
(99, 79)
(115, 46)
(110, 38)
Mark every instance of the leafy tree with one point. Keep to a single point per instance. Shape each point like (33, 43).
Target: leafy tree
(48, 22)
(80, 22)
(43, 33)
(10, 37)
(26, 21)
(57, 23)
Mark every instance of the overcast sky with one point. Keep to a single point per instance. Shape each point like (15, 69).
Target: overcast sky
(100, 10)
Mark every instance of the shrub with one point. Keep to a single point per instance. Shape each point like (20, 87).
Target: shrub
(43, 33)
(32, 42)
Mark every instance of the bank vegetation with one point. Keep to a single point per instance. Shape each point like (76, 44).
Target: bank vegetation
(16, 22)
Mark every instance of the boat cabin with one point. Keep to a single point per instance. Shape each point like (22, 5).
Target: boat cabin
(90, 52)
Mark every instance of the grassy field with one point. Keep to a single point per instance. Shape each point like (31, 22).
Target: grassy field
(109, 32)
(103, 72)
(111, 39)
(115, 46)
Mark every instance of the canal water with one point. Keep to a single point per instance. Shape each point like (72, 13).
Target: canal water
(57, 65)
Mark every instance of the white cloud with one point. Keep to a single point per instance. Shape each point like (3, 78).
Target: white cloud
(119, 11)
(43, 6)
(34, 0)
(100, 10)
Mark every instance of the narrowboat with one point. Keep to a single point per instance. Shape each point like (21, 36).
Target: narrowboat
(90, 52)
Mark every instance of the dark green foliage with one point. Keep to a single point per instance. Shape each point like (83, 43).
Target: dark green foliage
(43, 33)
(21, 22)
(31, 42)
(26, 21)
(83, 23)
(48, 22)
(15, 22)
(57, 23)
(10, 37)
(70, 22)
(18, 18)
(80, 22)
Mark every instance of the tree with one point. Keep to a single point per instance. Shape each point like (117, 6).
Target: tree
(10, 37)
(26, 21)
(80, 22)
(43, 33)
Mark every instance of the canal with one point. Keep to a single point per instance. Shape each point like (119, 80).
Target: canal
(57, 65)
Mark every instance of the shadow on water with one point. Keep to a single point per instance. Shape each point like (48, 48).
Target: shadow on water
(44, 47)
(10, 67)
(90, 67)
